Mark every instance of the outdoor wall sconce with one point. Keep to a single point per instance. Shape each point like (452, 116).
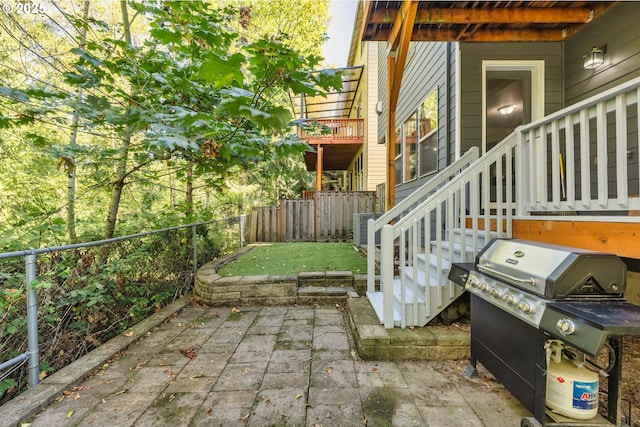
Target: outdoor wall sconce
(595, 58)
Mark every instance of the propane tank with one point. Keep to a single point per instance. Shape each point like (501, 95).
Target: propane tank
(572, 389)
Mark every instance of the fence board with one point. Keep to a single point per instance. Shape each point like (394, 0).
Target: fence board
(319, 216)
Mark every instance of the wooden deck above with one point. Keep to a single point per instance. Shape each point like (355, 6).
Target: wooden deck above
(338, 139)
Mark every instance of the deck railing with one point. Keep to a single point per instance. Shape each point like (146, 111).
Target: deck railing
(580, 161)
(327, 130)
(410, 203)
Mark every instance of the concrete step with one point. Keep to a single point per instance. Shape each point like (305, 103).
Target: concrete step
(374, 342)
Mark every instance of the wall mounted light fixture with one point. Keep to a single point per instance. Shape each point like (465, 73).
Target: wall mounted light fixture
(595, 58)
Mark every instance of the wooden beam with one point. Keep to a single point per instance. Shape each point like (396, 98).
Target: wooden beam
(397, 48)
(401, 41)
(319, 168)
(555, 15)
(539, 15)
(493, 35)
(390, 138)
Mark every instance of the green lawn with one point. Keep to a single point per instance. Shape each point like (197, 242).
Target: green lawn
(293, 258)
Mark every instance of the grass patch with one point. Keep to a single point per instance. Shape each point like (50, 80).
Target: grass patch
(293, 258)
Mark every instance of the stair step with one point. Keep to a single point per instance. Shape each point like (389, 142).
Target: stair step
(430, 300)
(457, 250)
(377, 302)
(408, 292)
(433, 261)
(483, 236)
(421, 279)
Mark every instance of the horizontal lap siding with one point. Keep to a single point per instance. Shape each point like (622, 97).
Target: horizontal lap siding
(618, 30)
(425, 70)
(471, 57)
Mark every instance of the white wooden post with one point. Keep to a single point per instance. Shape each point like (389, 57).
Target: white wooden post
(386, 274)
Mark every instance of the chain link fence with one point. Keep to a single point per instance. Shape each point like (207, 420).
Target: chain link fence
(57, 304)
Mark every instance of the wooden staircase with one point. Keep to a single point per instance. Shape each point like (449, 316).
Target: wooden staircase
(521, 182)
(426, 287)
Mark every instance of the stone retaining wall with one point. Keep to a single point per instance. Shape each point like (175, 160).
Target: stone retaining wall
(304, 288)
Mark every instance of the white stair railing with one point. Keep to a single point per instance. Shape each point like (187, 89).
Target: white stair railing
(583, 158)
(407, 204)
(478, 198)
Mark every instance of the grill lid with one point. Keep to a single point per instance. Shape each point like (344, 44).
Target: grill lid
(552, 271)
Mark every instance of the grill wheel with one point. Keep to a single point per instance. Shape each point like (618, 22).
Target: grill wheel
(529, 422)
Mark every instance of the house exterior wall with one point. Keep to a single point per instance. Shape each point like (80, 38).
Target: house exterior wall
(375, 154)
(618, 30)
(371, 154)
(471, 57)
(427, 68)
(435, 64)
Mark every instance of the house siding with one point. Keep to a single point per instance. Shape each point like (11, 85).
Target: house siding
(375, 158)
(373, 153)
(425, 70)
(618, 30)
(472, 55)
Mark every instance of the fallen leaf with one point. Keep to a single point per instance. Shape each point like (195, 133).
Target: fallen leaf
(128, 334)
(210, 411)
(70, 413)
(234, 310)
(374, 369)
(42, 375)
(328, 414)
(245, 417)
(329, 370)
(189, 352)
(298, 396)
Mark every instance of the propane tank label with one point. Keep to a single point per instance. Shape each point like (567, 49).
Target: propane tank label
(585, 395)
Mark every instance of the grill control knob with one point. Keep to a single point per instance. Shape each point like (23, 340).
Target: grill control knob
(496, 293)
(509, 299)
(527, 307)
(566, 326)
(483, 287)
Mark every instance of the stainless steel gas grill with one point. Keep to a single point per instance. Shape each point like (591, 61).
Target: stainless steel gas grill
(527, 296)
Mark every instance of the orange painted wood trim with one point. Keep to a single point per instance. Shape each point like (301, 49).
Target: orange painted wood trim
(619, 238)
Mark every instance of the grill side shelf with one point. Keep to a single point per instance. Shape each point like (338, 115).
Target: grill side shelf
(587, 324)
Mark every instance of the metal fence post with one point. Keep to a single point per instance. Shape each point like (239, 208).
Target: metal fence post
(32, 321)
(194, 238)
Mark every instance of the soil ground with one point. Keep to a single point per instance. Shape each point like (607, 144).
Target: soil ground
(631, 379)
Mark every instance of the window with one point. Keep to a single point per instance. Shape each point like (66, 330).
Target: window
(410, 148)
(417, 142)
(428, 134)
(398, 167)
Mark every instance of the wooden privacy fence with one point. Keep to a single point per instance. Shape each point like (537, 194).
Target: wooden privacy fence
(321, 216)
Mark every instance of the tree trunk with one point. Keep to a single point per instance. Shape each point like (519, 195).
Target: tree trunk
(121, 171)
(73, 142)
